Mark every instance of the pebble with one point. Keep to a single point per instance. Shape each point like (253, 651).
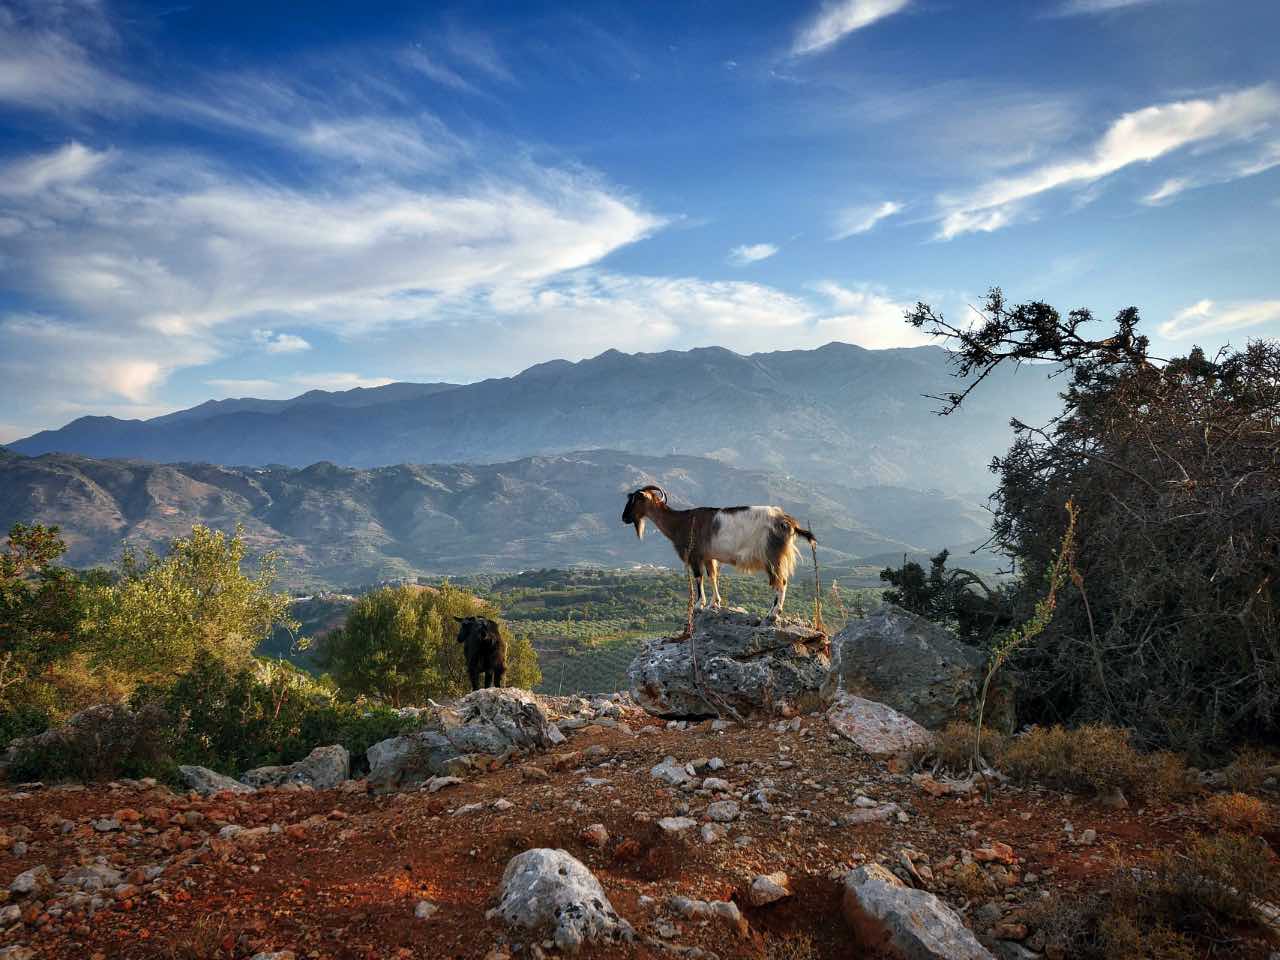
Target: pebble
(425, 910)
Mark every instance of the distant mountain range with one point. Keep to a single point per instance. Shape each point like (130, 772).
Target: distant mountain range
(838, 414)
(338, 526)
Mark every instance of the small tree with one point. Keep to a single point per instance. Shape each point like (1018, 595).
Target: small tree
(1171, 623)
(399, 645)
(40, 604)
(164, 611)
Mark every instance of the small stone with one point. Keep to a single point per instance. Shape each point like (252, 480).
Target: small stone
(34, 881)
(1114, 800)
(712, 832)
(1088, 837)
(674, 825)
(424, 910)
(595, 835)
(723, 811)
(768, 888)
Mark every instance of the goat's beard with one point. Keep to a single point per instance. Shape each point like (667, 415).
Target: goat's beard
(640, 528)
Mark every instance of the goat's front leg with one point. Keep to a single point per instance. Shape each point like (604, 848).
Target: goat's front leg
(474, 675)
(715, 585)
(779, 598)
(498, 673)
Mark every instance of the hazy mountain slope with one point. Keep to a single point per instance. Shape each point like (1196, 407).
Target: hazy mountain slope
(839, 413)
(355, 397)
(336, 525)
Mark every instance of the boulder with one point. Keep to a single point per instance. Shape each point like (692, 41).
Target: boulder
(411, 759)
(492, 722)
(98, 740)
(324, 768)
(755, 667)
(879, 730)
(207, 782)
(544, 889)
(890, 917)
(916, 667)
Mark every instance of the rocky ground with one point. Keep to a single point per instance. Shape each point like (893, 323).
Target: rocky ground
(767, 816)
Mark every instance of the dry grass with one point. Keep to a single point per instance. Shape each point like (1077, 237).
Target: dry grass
(791, 946)
(1093, 759)
(952, 748)
(1239, 813)
(1172, 909)
(206, 940)
(1248, 770)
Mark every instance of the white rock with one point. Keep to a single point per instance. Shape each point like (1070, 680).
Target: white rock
(669, 771)
(768, 888)
(544, 888)
(914, 923)
(723, 811)
(878, 729)
(436, 784)
(207, 782)
(676, 824)
(425, 910)
(36, 880)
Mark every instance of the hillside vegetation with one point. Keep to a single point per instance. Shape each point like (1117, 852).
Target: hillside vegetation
(334, 526)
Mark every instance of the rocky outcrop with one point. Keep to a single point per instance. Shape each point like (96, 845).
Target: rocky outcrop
(488, 722)
(888, 916)
(324, 768)
(879, 730)
(545, 889)
(95, 742)
(916, 667)
(207, 782)
(749, 665)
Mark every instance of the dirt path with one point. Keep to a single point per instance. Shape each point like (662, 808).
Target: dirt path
(336, 875)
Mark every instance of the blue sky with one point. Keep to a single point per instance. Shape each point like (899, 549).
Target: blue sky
(203, 199)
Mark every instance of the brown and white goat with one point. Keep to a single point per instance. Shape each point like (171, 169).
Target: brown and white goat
(749, 538)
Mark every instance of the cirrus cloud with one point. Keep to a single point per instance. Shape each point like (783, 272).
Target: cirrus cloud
(1141, 136)
(1210, 317)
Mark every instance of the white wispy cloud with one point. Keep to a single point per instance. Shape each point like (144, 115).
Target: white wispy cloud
(47, 52)
(751, 253)
(854, 220)
(837, 19)
(1078, 7)
(273, 342)
(1138, 137)
(1208, 317)
(66, 165)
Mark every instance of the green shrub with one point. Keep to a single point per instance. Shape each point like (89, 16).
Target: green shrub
(164, 612)
(399, 645)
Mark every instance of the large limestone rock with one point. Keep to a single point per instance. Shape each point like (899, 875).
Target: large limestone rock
(486, 722)
(755, 667)
(95, 742)
(879, 730)
(324, 768)
(207, 782)
(545, 889)
(916, 667)
(891, 918)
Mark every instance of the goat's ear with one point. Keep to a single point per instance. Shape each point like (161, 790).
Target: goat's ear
(461, 619)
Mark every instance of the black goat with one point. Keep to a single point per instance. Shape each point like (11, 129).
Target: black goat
(485, 650)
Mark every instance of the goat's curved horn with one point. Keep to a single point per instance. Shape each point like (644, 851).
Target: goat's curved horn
(662, 494)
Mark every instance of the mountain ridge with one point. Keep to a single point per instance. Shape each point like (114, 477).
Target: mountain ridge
(838, 413)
